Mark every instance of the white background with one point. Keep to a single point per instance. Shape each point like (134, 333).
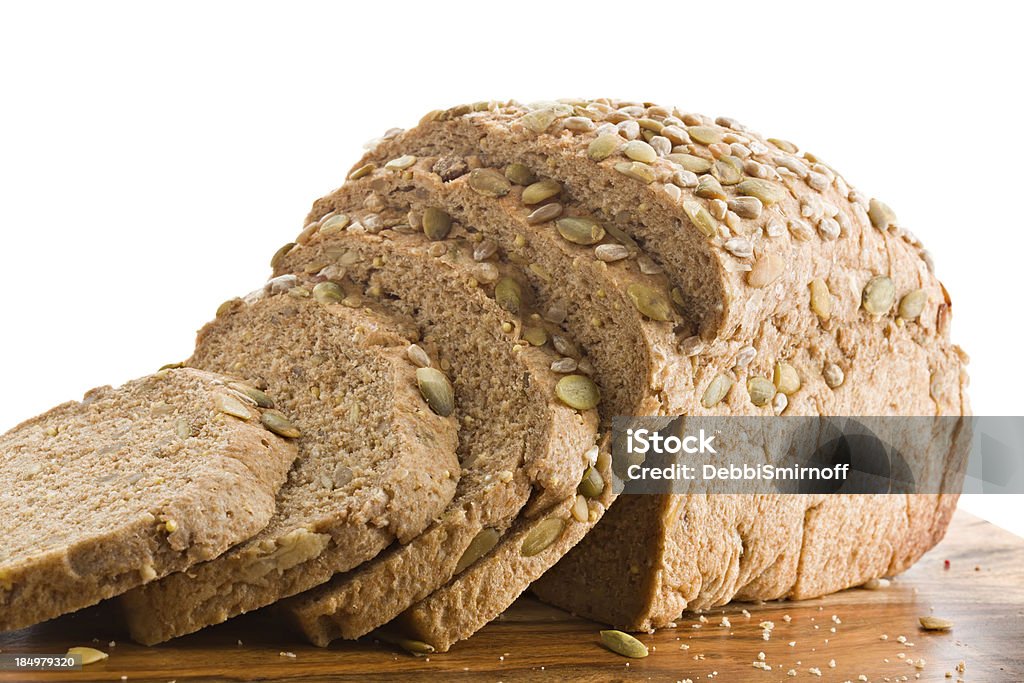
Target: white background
(153, 157)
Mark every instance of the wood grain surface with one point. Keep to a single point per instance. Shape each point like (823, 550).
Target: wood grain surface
(843, 636)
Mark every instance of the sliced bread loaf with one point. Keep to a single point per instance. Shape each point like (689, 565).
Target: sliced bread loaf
(375, 464)
(516, 433)
(128, 485)
(791, 275)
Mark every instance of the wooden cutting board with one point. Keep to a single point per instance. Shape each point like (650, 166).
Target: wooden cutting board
(981, 591)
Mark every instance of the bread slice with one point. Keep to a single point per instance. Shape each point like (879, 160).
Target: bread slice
(629, 351)
(128, 485)
(376, 464)
(744, 270)
(522, 448)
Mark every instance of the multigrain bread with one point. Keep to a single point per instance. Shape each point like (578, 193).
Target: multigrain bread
(376, 464)
(801, 289)
(522, 448)
(631, 354)
(128, 485)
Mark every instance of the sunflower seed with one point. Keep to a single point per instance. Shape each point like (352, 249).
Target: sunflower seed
(556, 312)
(650, 302)
(719, 209)
(676, 135)
(931, 623)
(484, 250)
(564, 346)
(780, 403)
(879, 295)
(580, 230)
(637, 150)
(708, 187)
(401, 163)
(829, 229)
(746, 207)
(539, 120)
(800, 230)
(745, 356)
(623, 644)
(761, 391)
(786, 378)
(542, 536)
(489, 183)
(229, 405)
(691, 163)
(545, 213)
(880, 215)
(728, 170)
(579, 124)
(362, 171)
(603, 146)
(768, 192)
(792, 164)
(417, 356)
(821, 299)
(685, 178)
(833, 375)
(540, 190)
(740, 247)
(661, 145)
(580, 509)
(765, 270)
(629, 129)
(279, 424)
(564, 366)
(436, 390)
(775, 227)
(482, 543)
(716, 391)
(519, 174)
(253, 394)
(578, 391)
(636, 170)
(912, 304)
(89, 655)
(705, 135)
(610, 253)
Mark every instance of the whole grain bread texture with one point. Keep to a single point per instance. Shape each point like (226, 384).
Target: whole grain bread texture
(797, 286)
(584, 307)
(128, 485)
(523, 449)
(376, 463)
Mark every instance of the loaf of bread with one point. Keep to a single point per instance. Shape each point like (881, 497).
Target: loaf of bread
(764, 284)
(130, 484)
(522, 449)
(376, 464)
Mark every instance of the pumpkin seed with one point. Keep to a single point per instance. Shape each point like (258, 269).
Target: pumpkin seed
(488, 182)
(931, 623)
(254, 394)
(833, 375)
(650, 302)
(675, 134)
(651, 124)
(413, 647)
(638, 150)
(623, 644)
(541, 190)
(716, 391)
(636, 170)
(746, 207)
(691, 163)
(401, 163)
(578, 391)
(436, 224)
(705, 135)
(482, 543)
(542, 536)
(879, 294)
(912, 304)
(821, 299)
(761, 391)
(592, 484)
(279, 424)
(545, 213)
(279, 255)
(765, 270)
(609, 253)
(784, 145)
(786, 378)
(580, 509)
(768, 192)
(519, 174)
(580, 230)
(230, 405)
(708, 187)
(880, 215)
(536, 336)
(362, 171)
(540, 120)
(700, 218)
(89, 655)
(335, 223)
(436, 390)
(508, 293)
(328, 292)
(728, 170)
(603, 146)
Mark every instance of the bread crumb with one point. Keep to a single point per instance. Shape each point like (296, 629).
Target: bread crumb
(786, 618)
(831, 663)
(287, 654)
(815, 670)
(726, 623)
(792, 643)
(745, 613)
(791, 672)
